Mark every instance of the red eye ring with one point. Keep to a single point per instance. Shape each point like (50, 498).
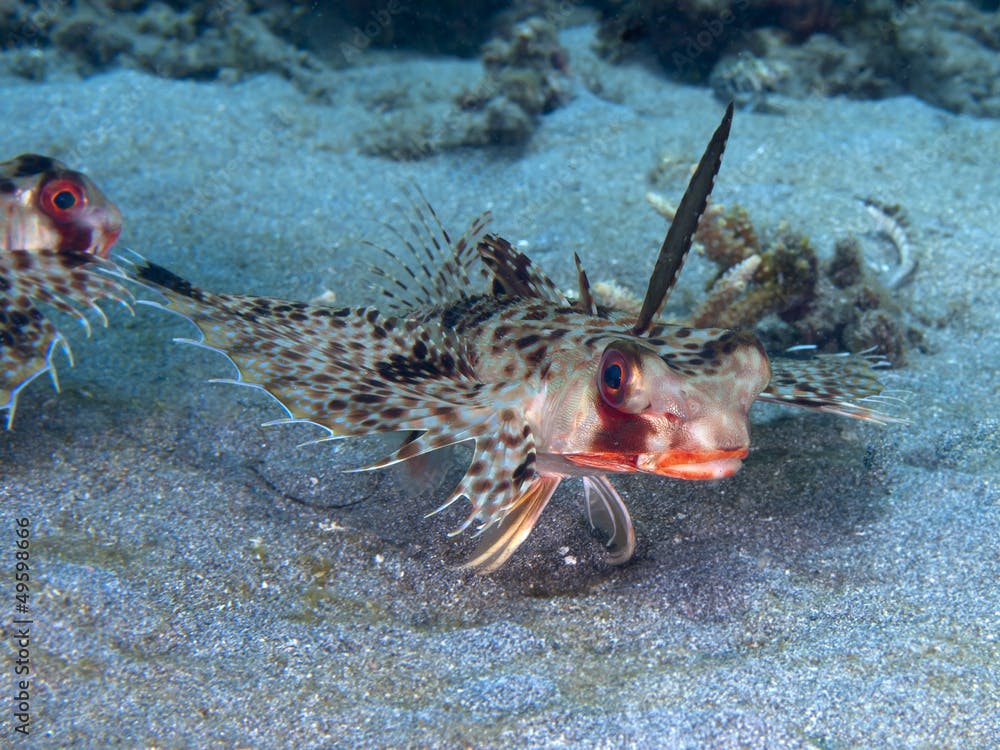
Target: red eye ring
(63, 198)
(613, 377)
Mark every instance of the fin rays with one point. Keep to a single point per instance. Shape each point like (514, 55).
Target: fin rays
(501, 541)
(67, 281)
(839, 384)
(437, 270)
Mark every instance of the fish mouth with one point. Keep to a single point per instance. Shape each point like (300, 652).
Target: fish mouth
(716, 464)
(107, 223)
(704, 464)
(103, 247)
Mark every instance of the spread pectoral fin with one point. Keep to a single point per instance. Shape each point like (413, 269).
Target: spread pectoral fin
(353, 371)
(844, 384)
(607, 514)
(26, 351)
(70, 282)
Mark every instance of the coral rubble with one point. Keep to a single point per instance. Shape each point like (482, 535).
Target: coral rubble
(203, 40)
(525, 76)
(777, 283)
(943, 51)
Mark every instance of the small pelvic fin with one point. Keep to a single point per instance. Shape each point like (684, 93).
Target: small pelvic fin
(501, 540)
(607, 514)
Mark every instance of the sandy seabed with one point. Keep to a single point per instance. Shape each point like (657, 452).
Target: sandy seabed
(199, 581)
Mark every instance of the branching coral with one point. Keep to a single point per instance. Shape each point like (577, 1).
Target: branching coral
(754, 278)
(779, 285)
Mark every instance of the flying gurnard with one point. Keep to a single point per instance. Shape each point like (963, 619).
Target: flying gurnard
(545, 387)
(56, 231)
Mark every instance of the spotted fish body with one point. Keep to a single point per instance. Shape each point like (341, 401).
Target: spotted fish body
(546, 389)
(57, 229)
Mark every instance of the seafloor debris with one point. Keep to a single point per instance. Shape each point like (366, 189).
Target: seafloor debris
(755, 278)
(776, 283)
(690, 37)
(942, 51)
(892, 221)
(747, 80)
(526, 75)
(204, 40)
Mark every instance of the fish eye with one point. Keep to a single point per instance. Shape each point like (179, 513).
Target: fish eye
(63, 198)
(613, 378)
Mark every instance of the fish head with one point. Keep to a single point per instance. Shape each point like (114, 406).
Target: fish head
(46, 205)
(662, 406)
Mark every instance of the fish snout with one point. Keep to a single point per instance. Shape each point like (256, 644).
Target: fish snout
(108, 226)
(720, 432)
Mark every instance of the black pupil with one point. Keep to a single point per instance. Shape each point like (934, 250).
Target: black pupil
(64, 200)
(613, 377)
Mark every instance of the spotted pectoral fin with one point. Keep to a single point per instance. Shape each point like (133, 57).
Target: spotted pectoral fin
(844, 384)
(28, 342)
(349, 370)
(500, 540)
(67, 281)
(501, 484)
(607, 514)
(422, 472)
(514, 274)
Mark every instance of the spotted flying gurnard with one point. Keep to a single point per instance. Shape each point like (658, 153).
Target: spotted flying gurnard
(56, 230)
(546, 387)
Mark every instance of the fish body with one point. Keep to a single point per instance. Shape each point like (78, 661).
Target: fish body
(489, 351)
(57, 229)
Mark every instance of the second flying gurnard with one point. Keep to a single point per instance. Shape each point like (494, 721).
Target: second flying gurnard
(546, 387)
(56, 231)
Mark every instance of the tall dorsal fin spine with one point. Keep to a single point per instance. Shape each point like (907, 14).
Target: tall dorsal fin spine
(586, 301)
(677, 243)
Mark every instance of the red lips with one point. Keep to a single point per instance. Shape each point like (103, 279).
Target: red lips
(705, 464)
